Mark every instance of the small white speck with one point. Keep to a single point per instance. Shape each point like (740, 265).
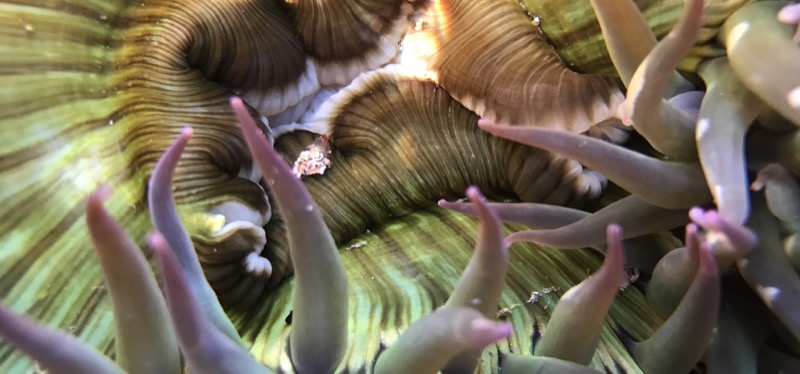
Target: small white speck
(771, 293)
(794, 98)
(737, 32)
(309, 208)
(702, 127)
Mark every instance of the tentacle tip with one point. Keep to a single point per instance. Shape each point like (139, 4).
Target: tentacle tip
(187, 132)
(697, 215)
(101, 194)
(157, 241)
(442, 203)
(236, 102)
(789, 14)
(474, 194)
(490, 331)
(483, 122)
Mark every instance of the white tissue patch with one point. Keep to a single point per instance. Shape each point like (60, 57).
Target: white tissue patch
(702, 126)
(255, 264)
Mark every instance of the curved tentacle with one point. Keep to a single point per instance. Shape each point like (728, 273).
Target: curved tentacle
(577, 333)
(437, 337)
(481, 284)
(671, 185)
(141, 320)
(726, 113)
(320, 293)
(680, 342)
(206, 348)
(769, 274)
(629, 40)
(164, 215)
(754, 32)
(633, 214)
(667, 128)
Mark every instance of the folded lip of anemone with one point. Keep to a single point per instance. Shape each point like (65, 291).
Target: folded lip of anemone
(320, 294)
(164, 215)
(205, 347)
(668, 129)
(572, 334)
(346, 38)
(754, 32)
(636, 216)
(499, 66)
(683, 339)
(671, 185)
(726, 113)
(435, 338)
(144, 339)
(234, 43)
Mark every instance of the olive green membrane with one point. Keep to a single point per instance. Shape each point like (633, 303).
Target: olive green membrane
(93, 92)
(573, 30)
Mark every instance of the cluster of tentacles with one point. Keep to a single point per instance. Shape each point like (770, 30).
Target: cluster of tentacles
(706, 145)
(150, 327)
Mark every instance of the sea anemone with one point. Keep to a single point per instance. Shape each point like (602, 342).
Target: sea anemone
(256, 286)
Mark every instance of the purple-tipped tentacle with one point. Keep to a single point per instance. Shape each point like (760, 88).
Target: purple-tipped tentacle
(531, 214)
(753, 32)
(629, 39)
(632, 213)
(428, 344)
(681, 341)
(144, 340)
(319, 329)
(729, 242)
(481, 284)
(667, 128)
(55, 351)
(576, 333)
(641, 252)
(672, 185)
(205, 347)
(674, 274)
(165, 218)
